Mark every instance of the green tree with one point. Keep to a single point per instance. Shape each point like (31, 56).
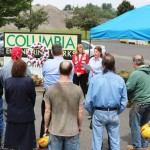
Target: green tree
(107, 6)
(68, 23)
(20, 22)
(125, 6)
(108, 11)
(68, 7)
(86, 17)
(9, 9)
(108, 15)
(31, 20)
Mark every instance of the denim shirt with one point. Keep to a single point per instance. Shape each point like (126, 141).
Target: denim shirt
(50, 71)
(106, 90)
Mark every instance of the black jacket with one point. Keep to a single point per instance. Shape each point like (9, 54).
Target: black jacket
(20, 96)
(1, 87)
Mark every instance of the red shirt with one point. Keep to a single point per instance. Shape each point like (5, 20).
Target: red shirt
(78, 61)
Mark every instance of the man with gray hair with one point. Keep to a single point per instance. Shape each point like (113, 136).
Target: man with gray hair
(138, 89)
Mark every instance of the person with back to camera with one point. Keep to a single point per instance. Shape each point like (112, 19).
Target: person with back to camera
(138, 88)
(80, 74)
(20, 97)
(96, 65)
(50, 72)
(106, 98)
(1, 111)
(64, 111)
(16, 53)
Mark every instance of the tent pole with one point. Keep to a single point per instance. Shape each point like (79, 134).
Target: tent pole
(89, 48)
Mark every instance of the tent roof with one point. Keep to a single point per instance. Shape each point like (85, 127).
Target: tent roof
(134, 24)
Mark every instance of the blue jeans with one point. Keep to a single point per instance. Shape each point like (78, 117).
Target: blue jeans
(63, 143)
(4, 121)
(1, 117)
(110, 120)
(138, 116)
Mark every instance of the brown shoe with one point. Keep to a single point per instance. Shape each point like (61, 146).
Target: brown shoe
(130, 147)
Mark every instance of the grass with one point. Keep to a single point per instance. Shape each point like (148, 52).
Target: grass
(69, 31)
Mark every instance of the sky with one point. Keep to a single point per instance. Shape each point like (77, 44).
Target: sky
(62, 3)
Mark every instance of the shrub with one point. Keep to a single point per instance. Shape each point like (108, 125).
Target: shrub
(37, 81)
(124, 74)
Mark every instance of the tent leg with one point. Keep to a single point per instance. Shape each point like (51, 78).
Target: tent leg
(89, 48)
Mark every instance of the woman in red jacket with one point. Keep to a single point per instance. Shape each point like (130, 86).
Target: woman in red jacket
(80, 74)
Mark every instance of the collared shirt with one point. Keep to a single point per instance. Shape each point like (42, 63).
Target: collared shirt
(96, 65)
(106, 90)
(50, 71)
(6, 71)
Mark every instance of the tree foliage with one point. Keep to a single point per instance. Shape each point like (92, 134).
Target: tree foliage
(108, 11)
(68, 7)
(125, 6)
(20, 22)
(11, 8)
(107, 6)
(69, 23)
(85, 17)
(31, 20)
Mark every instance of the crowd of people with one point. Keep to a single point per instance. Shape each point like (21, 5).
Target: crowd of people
(69, 86)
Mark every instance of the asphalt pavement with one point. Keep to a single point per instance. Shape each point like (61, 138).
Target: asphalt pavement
(123, 52)
(86, 136)
(123, 55)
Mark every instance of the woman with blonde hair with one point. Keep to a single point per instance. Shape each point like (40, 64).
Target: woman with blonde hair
(80, 74)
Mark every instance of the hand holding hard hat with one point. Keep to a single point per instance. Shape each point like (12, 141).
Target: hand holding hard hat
(145, 131)
(43, 142)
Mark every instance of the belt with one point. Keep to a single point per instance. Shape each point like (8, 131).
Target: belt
(105, 108)
(142, 104)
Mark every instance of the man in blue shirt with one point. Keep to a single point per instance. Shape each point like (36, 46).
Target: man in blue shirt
(106, 98)
(50, 72)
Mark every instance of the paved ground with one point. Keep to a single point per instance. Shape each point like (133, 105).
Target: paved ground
(85, 137)
(123, 54)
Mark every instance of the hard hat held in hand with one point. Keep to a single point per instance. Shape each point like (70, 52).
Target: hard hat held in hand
(145, 131)
(43, 142)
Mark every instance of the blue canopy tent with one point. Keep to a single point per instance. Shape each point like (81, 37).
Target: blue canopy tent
(134, 24)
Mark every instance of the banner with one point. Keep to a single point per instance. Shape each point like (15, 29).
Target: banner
(25, 40)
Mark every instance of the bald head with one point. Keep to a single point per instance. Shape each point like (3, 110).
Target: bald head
(138, 60)
(65, 68)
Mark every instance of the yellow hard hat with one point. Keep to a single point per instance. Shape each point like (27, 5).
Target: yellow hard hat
(43, 142)
(145, 131)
